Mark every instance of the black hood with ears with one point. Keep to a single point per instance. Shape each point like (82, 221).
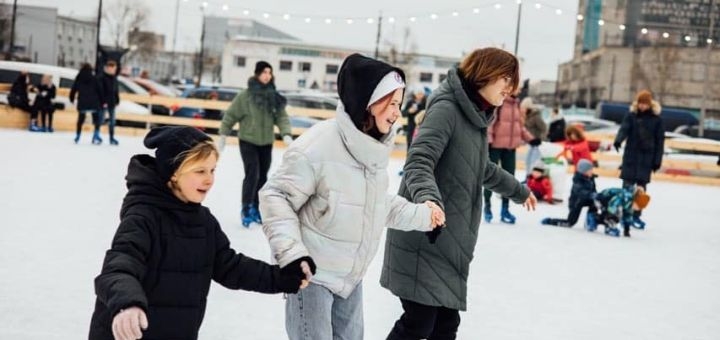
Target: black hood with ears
(357, 79)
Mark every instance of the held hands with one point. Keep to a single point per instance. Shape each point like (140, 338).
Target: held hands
(296, 275)
(530, 202)
(129, 324)
(437, 216)
(287, 139)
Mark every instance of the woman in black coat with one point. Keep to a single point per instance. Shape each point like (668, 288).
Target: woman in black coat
(89, 94)
(645, 134)
(44, 103)
(168, 248)
(18, 98)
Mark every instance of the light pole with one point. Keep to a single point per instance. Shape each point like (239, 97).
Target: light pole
(98, 53)
(173, 67)
(706, 82)
(517, 27)
(12, 31)
(202, 46)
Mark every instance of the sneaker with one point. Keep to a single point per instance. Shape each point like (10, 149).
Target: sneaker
(35, 128)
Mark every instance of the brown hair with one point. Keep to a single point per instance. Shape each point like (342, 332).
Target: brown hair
(384, 102)
(110, 63)
(574, 130)
(485, 65)
(198, 153)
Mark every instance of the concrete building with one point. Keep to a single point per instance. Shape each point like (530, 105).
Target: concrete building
(645, 44)
(42, 36)
(299, 65)
(542, 91)
(163, 65)
(219, 30)
(76, 42)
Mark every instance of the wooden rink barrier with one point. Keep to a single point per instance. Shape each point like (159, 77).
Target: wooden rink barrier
(675, 170)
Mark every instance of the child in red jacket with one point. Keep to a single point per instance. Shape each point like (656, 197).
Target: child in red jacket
(577, 145)
(539, 183)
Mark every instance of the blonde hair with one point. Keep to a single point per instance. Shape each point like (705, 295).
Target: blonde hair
(197, 153)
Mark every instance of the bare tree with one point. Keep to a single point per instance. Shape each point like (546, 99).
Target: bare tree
(656, 70)
(4, 26)
(402, 53)
(144, 43)
(123, 16)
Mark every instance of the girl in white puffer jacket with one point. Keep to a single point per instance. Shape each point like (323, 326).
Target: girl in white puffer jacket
(328, 203)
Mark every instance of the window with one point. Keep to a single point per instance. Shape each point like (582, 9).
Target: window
(301, 83)
(285, 65)
(239, 61)
(66, 83)
(331, 69)
(426, 77)
(304, 67)
(442, 76)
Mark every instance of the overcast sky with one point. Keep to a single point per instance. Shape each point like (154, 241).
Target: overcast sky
(546, 38)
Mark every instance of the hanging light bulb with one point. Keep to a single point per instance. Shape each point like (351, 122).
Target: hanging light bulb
(204, 4)
(622, 27)
(391, 20)
(286, 16)
(538, 5)
(688, 38)
(349, 21)
(246, 12)
(225, 7)
(308, 20)
(580, 17)
(498, 6)
(666, 35)
(413, 19)
(644, 30)
(370, 20)
(601, 22)
(328, 21)
(433, 16)
(558, 11)
(455, 14)
(266, 15)
(476, 10)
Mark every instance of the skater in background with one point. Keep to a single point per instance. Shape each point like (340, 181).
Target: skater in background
(110, 97)
(88, 91)
(43, 103)
(539, 183)
(576, 146)
(448, 164)
(168, 248)
(581, 196)
(505, 134)
(556, 130)
(329, 201)
(258, 110)
(643, 132)
(415, 105)
(535, 124)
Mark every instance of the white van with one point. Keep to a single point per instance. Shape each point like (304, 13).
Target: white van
(64, 77)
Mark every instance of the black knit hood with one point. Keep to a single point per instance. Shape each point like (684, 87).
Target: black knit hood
(145, 186)
(357, 79)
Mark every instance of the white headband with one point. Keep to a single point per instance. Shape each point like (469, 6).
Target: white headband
(389, 83)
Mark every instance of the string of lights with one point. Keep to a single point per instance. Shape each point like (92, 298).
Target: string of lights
(418, 17)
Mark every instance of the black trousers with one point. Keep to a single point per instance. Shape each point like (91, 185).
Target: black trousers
(574, 213)
(425, 322)
(256, 161)
(506, 159)
(81, 120)
(45, 113)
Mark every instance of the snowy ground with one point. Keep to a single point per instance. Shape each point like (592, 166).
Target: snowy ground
(60, 205)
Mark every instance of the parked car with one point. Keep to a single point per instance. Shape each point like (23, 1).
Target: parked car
(672, 118)
(63, 78)
(157, 89)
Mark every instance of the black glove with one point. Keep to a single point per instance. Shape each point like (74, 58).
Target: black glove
(655, 168)
(535, 142)
(433, 234)
(291, 276)
(617, 146)
(293, 268)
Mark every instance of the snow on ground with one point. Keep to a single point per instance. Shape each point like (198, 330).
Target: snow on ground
(60, 205)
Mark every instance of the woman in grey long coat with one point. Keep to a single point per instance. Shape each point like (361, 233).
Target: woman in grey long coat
(448, 164)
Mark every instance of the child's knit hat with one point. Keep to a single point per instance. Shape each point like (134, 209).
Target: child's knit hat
(169, 142)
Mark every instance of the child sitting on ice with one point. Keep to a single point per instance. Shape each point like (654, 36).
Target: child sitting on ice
(539, 183)
(581, 195)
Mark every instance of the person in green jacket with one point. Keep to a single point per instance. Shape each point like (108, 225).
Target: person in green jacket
(258, 110)
(448, 164)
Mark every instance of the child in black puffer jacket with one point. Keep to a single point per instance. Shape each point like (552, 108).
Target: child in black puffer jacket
(168, 248)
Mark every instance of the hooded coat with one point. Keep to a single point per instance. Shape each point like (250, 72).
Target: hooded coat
(448, 164)
(88, 91)
(162, 259)
(645, 136)
(328, 200)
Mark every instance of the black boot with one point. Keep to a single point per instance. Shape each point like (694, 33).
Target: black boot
(626, 230)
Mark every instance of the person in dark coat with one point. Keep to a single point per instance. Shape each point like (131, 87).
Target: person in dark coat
(448, 164)
(415, 105)
(168, 248)
(18, 98)
(644, 132)
(581, 196)
(89, 93)
(110, 96)
(556, 129)
(44, 103)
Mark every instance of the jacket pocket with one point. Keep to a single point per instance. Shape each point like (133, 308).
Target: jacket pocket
(322, 210)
